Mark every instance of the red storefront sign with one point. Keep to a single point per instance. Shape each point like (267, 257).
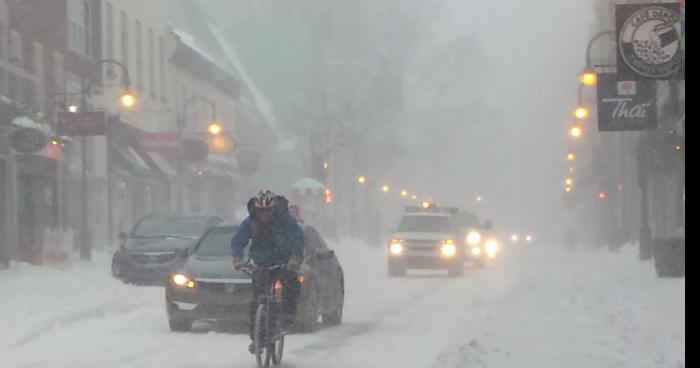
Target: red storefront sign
(88, 123)
(160, 142)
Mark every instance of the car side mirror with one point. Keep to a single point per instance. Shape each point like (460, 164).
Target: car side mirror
(325, 256)
(122, 237)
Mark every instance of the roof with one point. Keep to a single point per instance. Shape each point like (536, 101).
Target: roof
(308, 183)
(426, 214)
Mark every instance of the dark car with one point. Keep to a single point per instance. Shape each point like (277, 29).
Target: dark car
(209, 288)
(471, 236)
(157, 246)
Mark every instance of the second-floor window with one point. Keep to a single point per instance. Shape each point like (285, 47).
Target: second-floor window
(139, 57)
(79, 26)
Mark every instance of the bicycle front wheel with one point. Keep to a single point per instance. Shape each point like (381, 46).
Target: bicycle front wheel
(261, 339)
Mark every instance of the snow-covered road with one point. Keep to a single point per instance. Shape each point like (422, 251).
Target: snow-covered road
(536, 307)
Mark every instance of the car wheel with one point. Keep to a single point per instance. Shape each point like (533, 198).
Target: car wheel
(334, 318)
(179, 325)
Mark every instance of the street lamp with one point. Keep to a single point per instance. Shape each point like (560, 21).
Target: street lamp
(361, 179)
(569, 181)
(127, 99)
(404, 193)
(575, 131)
(588, 76)
(181, 123)
(385, 188)
(581, 112)
(214, 128)
(570, 156)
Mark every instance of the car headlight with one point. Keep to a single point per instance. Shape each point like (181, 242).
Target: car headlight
(476, 251)
(183, 281)
(528, 238)
(448, 249)
(395, 247)
(491, 247)
(473, 238)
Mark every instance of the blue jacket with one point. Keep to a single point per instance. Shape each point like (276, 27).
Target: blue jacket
(271, 244)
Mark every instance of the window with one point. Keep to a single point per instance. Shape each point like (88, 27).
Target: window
(151, 63)
(161, 50)
(110, 39)
(139, 57)
(125, 39)
(79, 26)
(15, 47)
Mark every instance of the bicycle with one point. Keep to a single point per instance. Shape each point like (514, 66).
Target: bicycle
(268, 332)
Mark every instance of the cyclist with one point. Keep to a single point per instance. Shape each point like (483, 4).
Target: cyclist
(276, 239)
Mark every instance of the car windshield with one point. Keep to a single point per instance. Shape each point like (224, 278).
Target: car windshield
(431, 224)
(217, 242)
(170, 226)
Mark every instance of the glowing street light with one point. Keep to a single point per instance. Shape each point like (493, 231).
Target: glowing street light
(425, 204)
(581, 112)
(570, 156)
(361, 179)
(414, 196)
(325, 165)
(567, 189)
(404, 193)
(588, 77)
(215, 128)
(479, 199)
(73, 108)
(385, 188)
(127, 99)
(569, 181)
(575, 131)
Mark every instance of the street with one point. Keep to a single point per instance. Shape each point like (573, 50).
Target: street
(536, 306)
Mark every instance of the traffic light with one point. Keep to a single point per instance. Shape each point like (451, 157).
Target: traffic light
(328, 196)
(602, 195)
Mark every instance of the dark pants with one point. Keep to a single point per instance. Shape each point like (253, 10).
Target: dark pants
(291, 289)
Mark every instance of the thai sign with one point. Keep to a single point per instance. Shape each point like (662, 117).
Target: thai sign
(649, 41)
(626, 105)
(88, 123)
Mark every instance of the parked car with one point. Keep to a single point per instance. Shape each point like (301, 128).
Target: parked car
(209, 288)
(157, 245)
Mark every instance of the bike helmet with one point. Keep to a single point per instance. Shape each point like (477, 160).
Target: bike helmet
(265, 199)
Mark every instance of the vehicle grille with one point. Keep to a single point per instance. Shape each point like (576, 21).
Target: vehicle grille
(422, 245)
(159, 258)
(223, 288)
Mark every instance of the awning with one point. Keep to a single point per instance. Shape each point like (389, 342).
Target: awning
(163, 164)
(128, 156)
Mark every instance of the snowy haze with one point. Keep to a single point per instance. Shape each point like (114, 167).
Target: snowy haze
(486, 90)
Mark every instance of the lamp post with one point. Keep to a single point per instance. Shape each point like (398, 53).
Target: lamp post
(128, 100)
(588, 76)
(182, 123)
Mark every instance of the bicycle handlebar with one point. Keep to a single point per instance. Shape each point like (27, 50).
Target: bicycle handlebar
(249, 268)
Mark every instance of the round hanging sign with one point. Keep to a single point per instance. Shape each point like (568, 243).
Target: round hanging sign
(28, 140)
